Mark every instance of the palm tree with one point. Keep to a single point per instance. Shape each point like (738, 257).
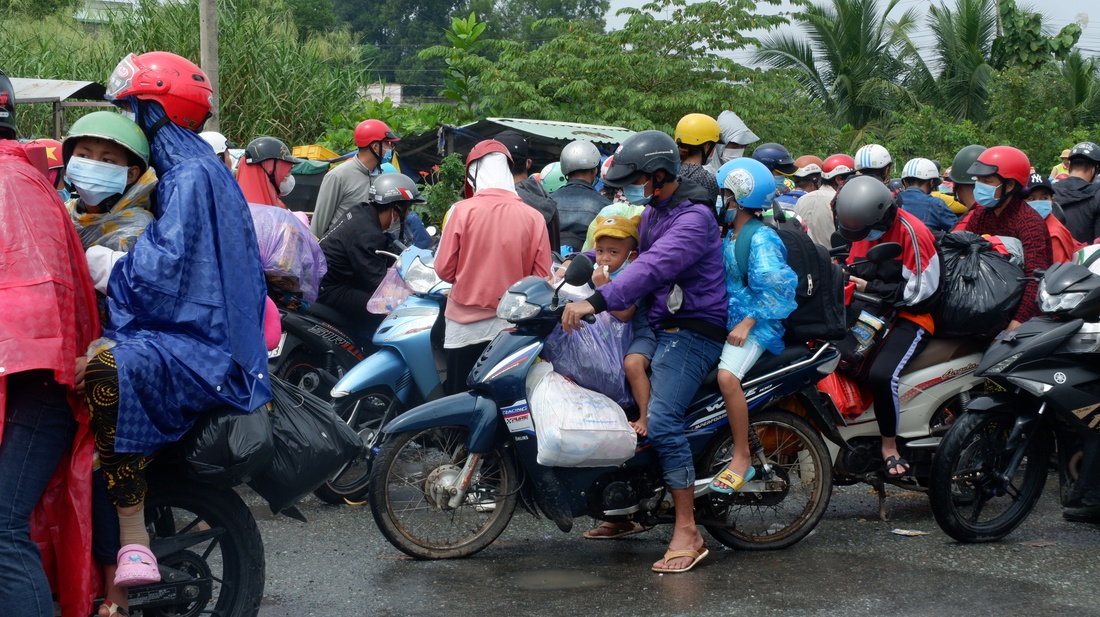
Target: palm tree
(1082, 75)
(957, 77)
(847, 58)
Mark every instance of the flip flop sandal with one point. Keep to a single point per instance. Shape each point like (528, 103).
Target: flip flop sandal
(896, 461)
(622, 533)
(136, 566)
(113, 609)
(729, 482)
(696, 557)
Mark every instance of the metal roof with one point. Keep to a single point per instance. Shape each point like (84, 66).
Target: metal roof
(565, 131)
(55, 90)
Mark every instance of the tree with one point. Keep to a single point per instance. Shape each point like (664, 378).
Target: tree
(1082, 76)
(527, 21)
(37, 8)
(1024, 42)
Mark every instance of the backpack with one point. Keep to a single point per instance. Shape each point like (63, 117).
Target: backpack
(820, 314)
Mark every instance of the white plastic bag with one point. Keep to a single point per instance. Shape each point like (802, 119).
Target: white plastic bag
(576, 427)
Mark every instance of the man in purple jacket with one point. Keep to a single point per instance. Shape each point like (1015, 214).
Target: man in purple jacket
(680, 264)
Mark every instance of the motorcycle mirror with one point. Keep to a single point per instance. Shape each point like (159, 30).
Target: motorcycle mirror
(579, 271)
(837, 240)
(431, 230)
(884, 252)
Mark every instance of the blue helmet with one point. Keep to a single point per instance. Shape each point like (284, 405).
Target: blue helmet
(723, 171)
(750, 182)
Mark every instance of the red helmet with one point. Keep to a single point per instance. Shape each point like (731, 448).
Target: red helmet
(807, 159)
(175, 82)
(1004, 161)
(370, 131)
(836, 165)
(53, 151)
(483, 148)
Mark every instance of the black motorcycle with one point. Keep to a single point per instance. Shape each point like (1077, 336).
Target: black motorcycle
(993, 462)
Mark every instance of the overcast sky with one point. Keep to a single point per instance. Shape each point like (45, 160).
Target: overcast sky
(1057, 13)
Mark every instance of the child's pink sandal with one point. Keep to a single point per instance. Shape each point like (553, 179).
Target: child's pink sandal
(136, 566)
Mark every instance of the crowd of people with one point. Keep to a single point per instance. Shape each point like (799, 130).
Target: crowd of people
(137, 279)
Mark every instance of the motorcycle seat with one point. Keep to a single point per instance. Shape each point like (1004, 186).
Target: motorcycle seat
(767, 363)
(327, 313)
(941, 350)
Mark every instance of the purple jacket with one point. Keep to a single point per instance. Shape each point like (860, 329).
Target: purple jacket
(680, 245)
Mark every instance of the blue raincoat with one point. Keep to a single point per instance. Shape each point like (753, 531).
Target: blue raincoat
(769, 296)
(186, 303)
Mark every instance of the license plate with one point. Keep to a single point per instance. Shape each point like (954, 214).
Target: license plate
(1005, 335)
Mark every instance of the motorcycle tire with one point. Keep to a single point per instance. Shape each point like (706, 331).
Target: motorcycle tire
(304, 369)
(232, 556)
(408, 500)
(800, 486)
(965, 483)
(352, 483)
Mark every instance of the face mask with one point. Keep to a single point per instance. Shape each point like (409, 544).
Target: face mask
(129, 115)
(395, 224)
(65, 194)
(985, 194)
(95, 181)
(728, 154)
(287, 185)
(620, 270)
(387, 156)
(875, 234)
(635, 194)
(781, 185)
(1042, 207)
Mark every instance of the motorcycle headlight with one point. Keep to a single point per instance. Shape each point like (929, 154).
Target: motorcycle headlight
(515, 307)
(420, 277)
(1004, 364)
(1061, 302)
(1037, 388)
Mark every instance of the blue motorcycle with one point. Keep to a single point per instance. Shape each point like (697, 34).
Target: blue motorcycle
(449, 474)
(407, 369)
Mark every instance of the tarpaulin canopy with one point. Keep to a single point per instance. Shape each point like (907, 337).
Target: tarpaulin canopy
(60, 93)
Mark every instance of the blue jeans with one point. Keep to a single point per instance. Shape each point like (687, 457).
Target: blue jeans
(38, 427)
(682, 361)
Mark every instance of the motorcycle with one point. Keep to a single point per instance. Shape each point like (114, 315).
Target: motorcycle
(450, 473)
(992, 464)
(409, 368)
(313, 352)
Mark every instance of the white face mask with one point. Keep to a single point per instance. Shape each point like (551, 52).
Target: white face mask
(129, 115)
(95, 180)
(287, 185)
(728, 154)
(395, 223)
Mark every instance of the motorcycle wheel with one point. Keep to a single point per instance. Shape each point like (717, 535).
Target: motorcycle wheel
(232, 556)
(303, 369)
(408, 500)
(802, 481)
(352, 483)
(969, 500)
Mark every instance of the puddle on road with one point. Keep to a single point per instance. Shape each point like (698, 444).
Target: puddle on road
(542, 580)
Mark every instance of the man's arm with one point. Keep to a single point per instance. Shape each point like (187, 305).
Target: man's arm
(325, 207)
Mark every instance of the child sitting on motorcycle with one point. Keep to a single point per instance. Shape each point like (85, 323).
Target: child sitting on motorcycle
(761, 288)
(616, 245)
(867, 215)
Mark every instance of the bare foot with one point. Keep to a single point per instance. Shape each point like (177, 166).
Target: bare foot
(682, 539)
(640, 426)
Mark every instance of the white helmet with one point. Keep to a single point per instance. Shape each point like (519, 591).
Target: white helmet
(217, 141)
(578, 156)
(921, 169)
(872, 156)
(806, 170)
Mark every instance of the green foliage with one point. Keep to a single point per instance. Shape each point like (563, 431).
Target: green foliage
(313, 16)
(442, 187)
(1024, 43)
(36, 8)
(525, 21)
(402, 120)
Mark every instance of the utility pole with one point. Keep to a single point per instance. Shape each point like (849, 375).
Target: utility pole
(1000, 26)
(208, 54)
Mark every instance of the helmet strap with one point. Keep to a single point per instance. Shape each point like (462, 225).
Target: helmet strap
(157, 126)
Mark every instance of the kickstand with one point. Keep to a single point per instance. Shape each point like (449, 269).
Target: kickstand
(880, 488)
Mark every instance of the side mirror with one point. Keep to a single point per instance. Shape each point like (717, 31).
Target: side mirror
(579, 271)
(884, 252)
(838, 240)
(431, 230)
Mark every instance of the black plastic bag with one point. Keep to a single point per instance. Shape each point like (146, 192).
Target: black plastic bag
(981, 287)
(312, 444)
(225, 447)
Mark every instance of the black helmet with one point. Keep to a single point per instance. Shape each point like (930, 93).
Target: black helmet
(862, 205)
(267, 148)
(643, 153)
(963, 160)
(775, 157)
(7, 107)
(394, 189)
(1085, 150)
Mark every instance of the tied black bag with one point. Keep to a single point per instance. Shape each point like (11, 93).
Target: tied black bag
(981, 287)
(225, 447)
(312, 444)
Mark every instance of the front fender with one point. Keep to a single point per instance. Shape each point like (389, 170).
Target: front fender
(1025, 408)
(478, 414)
(384, 367)
(997, 402)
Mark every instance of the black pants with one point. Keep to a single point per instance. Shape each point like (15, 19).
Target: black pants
(901, 345)
(460, 361)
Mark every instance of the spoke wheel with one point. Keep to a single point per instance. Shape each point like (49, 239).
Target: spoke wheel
(798, 486)
(370, 411)
(971, 500)
(408, 494)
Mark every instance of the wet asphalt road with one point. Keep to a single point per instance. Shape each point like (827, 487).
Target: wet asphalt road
(339, 564)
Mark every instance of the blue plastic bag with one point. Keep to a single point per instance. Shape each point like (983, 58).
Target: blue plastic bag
(593, 357)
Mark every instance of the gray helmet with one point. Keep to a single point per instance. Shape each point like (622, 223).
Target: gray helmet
(267, 148)
(395, 190)
(862, 205)
(579, 156)
(643, 153)
(963, 160)
(1085, 150)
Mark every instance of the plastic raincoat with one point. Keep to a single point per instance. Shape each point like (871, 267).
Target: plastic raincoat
(49, 319)
(292, 258)
(769, 296)
(186, 304)
(118, 228)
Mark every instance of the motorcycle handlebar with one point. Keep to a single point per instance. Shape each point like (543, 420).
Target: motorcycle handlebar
(868, 298)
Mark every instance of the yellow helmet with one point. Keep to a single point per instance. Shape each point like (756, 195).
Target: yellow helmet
(696, 129)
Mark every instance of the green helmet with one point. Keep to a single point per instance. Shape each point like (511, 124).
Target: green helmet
(112, 127)
(963, 160)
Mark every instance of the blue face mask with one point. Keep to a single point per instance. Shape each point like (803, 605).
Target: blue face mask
(635, 194)
(1042, 207)
(875, 234)
(984, 194)
(65, 194)
(621, 269)
(95, 181)
(387, 156)
(781, 185)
